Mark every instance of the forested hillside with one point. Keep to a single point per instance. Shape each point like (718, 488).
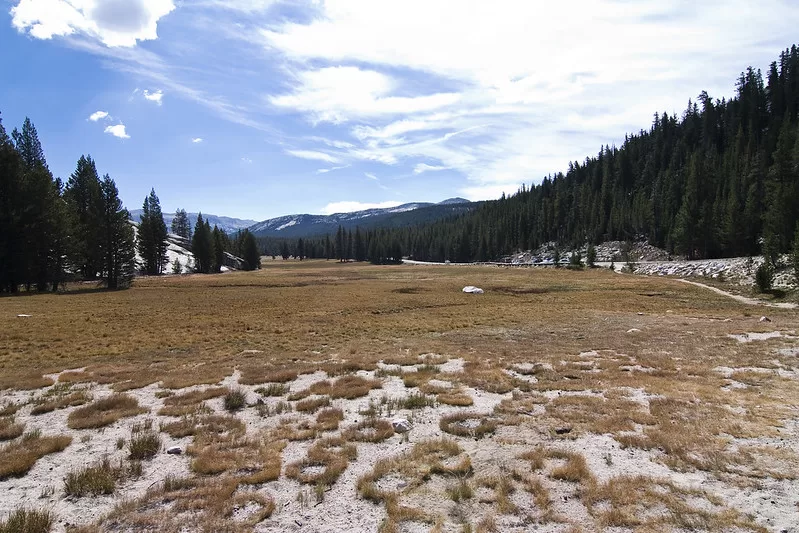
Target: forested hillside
(720, 180)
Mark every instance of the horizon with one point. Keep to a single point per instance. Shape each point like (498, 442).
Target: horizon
(258, 108)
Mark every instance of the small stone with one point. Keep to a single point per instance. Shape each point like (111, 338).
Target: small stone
(633, 330)
(765, 319)
(401, 425)
(640, 314)
(174, 450)
(563, 430)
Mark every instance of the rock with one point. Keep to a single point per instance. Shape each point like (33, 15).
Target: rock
(23, 316)
(174, 450)
(633, 330)
(401, 425)
(472, 289)
(640, 314)
(765, 319)
(563, 430)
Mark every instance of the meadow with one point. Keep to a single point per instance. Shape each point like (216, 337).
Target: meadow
(565, 400)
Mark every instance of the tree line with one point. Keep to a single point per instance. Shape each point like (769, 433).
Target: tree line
(378, 246)
(721, 180)
(52, 232)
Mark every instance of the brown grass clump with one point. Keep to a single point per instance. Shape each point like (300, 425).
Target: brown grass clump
(467, 424)
(9, 409)
(48, 403)
(574, 469)
(24, 520)
(9, 428)
(597, 414)
(415, 468)
(311, 405)
(456, 398)
(208, 424)
(654, 504)
(189, 402)
(235, 400)
(326, 461)
(256, 375)
(17, 458)
(347, 367)
(104, 412)
(369, 430)
(144, 445)
(347, 387)
(494, 380)
(328, 419)
(94, 480)
(195, 504)
(294, 428)
(253, 460)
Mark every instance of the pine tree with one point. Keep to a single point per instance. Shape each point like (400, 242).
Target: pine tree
(218, 245)
(591, 256)
(84, 211)
(152, 236)
(359, 245)
(250, 254)
(201, 246)
(300, 250)
(12, 242)
(118, 249)
(181, 225)
(284, 251)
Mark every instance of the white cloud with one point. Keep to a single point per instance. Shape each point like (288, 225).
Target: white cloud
(500, 93)
(117, 131)
(315, 156)
(156, 96)
(331, 169)
(246, 160)
(340, 94)
(112, 22)
(98, 115)
(197, 140)
(371, 176)
(349, 207)
(424, 167)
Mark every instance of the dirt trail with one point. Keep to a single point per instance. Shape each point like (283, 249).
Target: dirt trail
(742, 299)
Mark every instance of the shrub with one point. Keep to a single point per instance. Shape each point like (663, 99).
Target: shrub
(235, 400)
(590, 257)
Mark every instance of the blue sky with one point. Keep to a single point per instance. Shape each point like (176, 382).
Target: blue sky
(259, 108)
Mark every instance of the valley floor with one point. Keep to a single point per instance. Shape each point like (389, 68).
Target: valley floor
(556, 401)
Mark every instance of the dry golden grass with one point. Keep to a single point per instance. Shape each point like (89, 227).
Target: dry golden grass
(9, 428)
(189, 402)
(467, 424)
(369, 430)
(328, 419)
(17, 458)
(456, 398)
(533, 322)
(104, 412)
(196, 504)
(49, 403)
(325, 462)
(312, 405)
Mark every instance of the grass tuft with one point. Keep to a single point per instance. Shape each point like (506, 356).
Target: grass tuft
(235, 400)
(104, 412)
(17, 458)
(24, 520)
(93, 480)
(144, 445)
(467, 425)
(9, 428)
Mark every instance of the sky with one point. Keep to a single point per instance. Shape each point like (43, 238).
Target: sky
(261, 108)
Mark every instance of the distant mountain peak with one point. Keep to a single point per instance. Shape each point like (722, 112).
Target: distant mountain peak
(456, 200)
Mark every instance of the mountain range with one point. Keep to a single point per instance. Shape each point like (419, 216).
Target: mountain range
(226, 224)
(302, 225)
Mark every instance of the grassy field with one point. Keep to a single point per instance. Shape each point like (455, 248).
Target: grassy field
(570, 356)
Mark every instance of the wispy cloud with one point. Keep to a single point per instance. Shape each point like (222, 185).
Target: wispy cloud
(155, 96)
(117, 130)
(424, 167)
(351, 206)
(98, 115)
(313, 155)
(197, 140)
(331, 169)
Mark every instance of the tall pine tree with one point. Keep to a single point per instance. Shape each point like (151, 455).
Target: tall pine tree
(152, 236)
